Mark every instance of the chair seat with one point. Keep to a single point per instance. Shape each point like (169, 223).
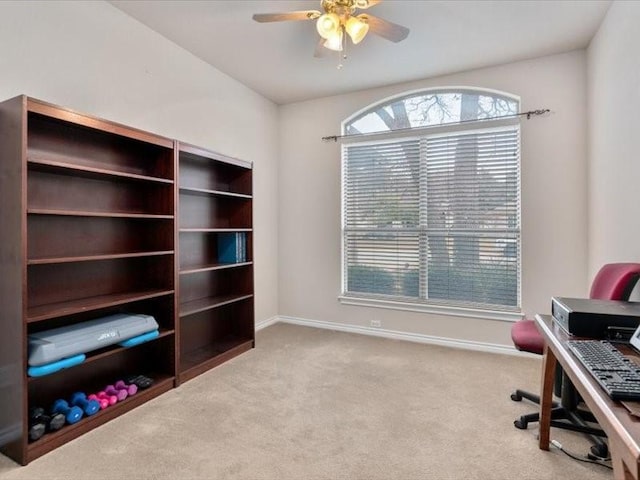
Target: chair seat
(526, 337)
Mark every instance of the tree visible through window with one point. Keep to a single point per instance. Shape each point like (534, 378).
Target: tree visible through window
(431, 108)
(434, 218)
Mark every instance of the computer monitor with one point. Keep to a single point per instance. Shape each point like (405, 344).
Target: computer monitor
(635, 339)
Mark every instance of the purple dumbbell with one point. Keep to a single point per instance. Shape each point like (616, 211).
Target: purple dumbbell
(121, 394)
(131, 389)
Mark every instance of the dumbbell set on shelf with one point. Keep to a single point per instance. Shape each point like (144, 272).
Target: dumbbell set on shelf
(113, 394)
(80, 405)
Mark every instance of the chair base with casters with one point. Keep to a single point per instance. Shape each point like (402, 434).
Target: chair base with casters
(572, 419)
(524, 420)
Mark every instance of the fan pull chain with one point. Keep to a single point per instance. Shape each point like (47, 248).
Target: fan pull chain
(342, 54)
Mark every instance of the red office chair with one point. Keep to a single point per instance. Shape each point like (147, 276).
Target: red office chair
(614, 281)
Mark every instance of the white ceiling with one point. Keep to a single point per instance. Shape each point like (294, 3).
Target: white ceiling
(276, 59)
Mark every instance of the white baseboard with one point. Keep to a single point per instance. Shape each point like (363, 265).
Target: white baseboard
(265, 323)
(410, 337)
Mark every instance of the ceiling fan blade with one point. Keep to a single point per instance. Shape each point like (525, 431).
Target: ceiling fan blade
(386, 29)
(364, 4)
(279, 17)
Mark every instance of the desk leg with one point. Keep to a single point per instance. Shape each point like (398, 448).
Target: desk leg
(621, 470)
(546, 397)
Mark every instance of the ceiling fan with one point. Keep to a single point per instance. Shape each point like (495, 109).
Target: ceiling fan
(339, 17)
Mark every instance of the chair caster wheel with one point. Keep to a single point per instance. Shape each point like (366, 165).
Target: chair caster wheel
(521, 424)
(515, 397)
(600, 451)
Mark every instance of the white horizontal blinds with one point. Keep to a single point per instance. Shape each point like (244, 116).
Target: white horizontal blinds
(473, 224)
(381, 213)
(435, 219)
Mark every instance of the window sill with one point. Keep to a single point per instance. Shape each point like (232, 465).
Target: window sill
(481, 314)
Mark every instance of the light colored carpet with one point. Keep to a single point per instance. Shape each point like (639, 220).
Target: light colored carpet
(317, 404)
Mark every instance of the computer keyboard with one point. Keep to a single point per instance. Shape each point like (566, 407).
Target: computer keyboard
(615, 373)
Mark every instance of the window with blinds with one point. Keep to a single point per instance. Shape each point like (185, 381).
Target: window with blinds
(434, 219)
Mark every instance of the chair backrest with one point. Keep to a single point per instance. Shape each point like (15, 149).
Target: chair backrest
(615, 281)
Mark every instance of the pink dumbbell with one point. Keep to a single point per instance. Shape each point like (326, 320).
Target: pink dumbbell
(104, 403)
(130, 389)
(120, 394)
(112, 399)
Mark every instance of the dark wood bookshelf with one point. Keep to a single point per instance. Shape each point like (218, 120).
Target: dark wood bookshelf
(100, 218)
(215, 308)
(88, 214)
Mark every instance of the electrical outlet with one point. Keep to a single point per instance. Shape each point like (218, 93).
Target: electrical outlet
(376, 323)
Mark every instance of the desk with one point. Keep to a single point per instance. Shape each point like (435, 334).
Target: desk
(622, 429)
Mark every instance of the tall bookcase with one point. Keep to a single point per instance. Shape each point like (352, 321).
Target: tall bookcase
(216, 308)
(89, 228)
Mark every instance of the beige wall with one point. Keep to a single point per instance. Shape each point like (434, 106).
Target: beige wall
(614, 137)
(554, 198)
(91, 57)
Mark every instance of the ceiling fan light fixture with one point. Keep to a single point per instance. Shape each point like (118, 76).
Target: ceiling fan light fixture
(337, 19)
(328, 25)
(357, 28)
(334, 42)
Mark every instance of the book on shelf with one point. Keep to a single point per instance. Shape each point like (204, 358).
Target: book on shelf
(232, 247)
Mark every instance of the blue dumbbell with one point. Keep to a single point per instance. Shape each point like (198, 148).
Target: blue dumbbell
(71, 414)
(89, 407)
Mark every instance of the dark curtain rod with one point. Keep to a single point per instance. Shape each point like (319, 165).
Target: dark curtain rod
(528, 114)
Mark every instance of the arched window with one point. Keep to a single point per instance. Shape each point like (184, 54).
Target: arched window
(429, 108)
(431, 211)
